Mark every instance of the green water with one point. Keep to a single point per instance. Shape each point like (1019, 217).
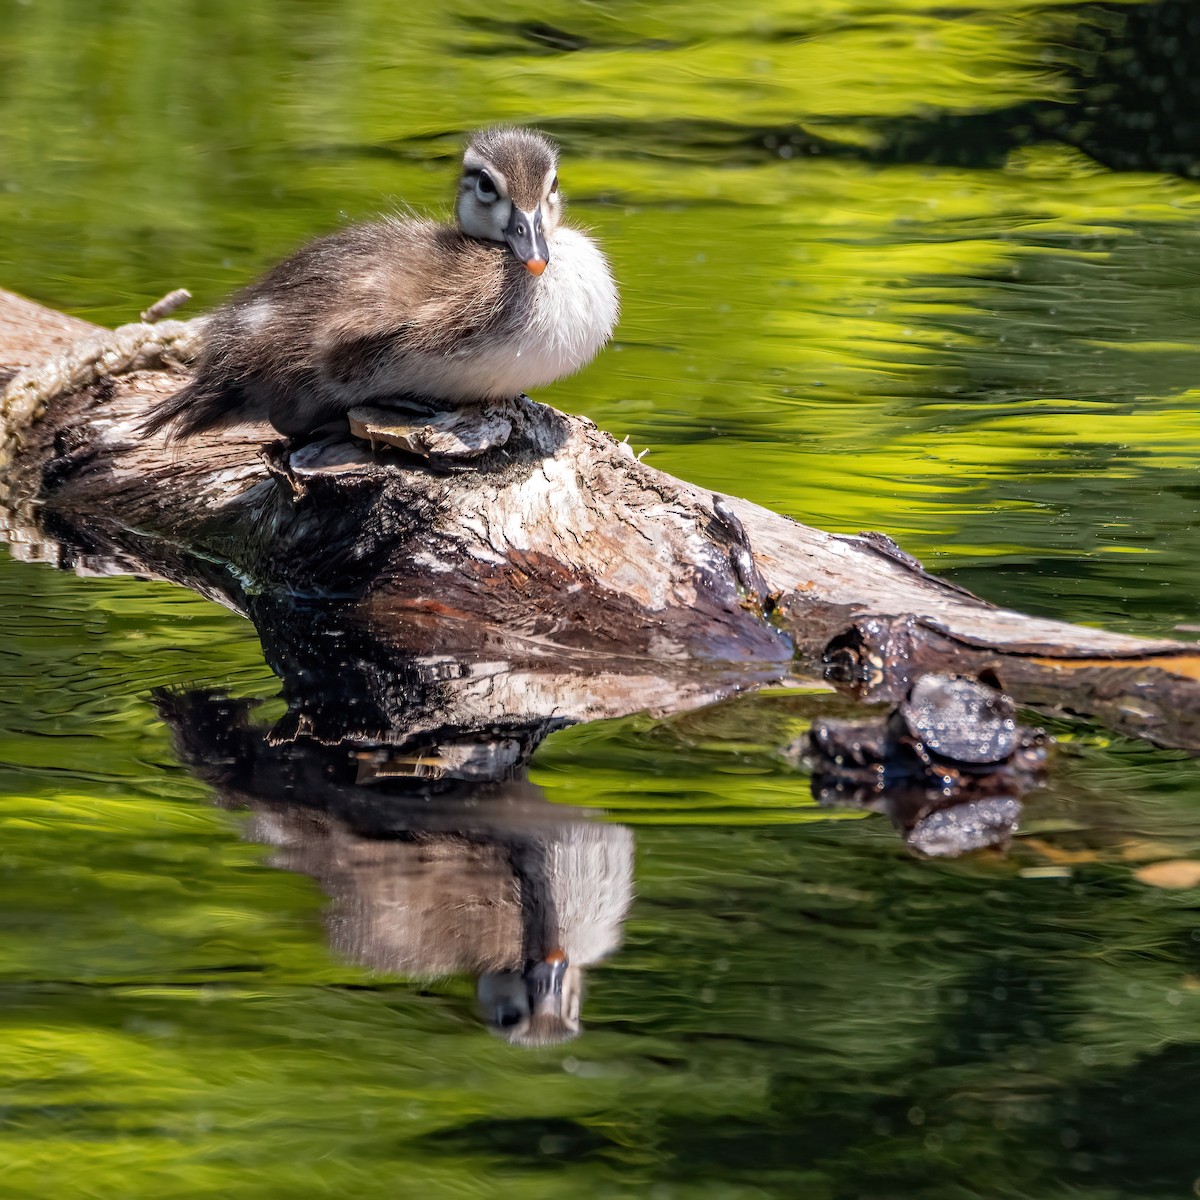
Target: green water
(884, 265)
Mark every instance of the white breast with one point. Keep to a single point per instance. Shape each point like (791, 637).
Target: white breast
(574, 310)
(573, 314)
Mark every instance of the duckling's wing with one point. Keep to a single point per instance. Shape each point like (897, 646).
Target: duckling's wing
(358, 355)
(421, 288)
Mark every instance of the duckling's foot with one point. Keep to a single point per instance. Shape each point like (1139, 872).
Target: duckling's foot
(455, 434)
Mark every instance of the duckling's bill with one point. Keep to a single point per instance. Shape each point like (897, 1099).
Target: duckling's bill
(525, 239)
(545, 982)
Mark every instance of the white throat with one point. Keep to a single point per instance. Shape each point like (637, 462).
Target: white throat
(574, 310)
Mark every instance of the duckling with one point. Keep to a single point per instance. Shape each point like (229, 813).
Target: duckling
(403, 309)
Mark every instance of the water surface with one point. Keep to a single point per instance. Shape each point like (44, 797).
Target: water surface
(884, 266)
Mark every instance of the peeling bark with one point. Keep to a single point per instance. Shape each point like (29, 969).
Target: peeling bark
(556, 550)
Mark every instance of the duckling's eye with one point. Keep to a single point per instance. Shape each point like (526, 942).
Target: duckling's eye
(485, 187)
(554, 186)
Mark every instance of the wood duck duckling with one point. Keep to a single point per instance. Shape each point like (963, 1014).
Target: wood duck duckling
(505, 300)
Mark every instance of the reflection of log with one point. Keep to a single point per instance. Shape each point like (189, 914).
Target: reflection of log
(560, 542)
(343, 680)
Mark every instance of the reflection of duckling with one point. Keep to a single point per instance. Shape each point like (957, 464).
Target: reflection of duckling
(458, 873)
(524, 905)
(576, 884)
(513, 891)
(506, 300)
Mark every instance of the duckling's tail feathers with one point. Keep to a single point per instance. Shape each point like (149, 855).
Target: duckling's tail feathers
(192, 409)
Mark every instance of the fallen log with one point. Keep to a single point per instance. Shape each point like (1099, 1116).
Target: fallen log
(552, 547)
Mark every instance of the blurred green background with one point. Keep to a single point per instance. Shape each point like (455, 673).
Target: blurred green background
(885, 264)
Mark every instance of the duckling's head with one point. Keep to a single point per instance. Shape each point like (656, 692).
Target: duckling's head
(535, 1007)
(509, 192)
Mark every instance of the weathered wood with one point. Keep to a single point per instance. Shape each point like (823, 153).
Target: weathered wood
(559, 546)
(30, 333)
(455, 435)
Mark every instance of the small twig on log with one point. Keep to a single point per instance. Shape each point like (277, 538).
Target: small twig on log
(167, 305)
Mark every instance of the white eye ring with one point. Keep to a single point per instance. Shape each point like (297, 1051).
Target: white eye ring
(485, 188)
